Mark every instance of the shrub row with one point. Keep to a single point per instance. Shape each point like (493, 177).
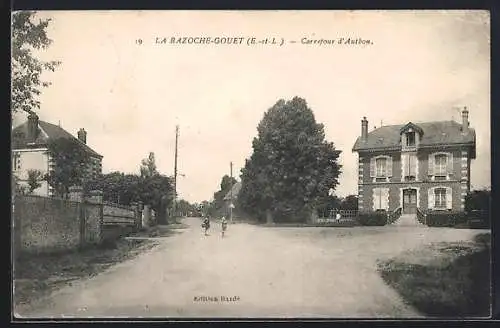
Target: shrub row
(472, 219)
(378, 218)
(444, 219)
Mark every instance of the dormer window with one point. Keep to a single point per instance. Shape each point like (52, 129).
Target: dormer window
(411, 135)
(410, 139)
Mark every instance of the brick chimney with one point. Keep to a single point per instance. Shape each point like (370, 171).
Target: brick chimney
(465, 120)
(82, 135)
(32, 127)
(364, 129)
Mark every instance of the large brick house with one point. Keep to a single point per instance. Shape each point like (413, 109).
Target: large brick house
(415, 165)
(29, 151)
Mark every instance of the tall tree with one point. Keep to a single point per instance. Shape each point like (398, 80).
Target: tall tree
(292, 166)
(28, 35)
(148, 166)
(71, 162)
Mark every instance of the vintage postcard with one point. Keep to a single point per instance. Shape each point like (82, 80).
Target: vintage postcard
(251, 164)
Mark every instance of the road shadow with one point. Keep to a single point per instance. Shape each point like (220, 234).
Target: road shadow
(455, 284)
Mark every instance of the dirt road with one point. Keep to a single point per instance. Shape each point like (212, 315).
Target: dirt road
(253, 272)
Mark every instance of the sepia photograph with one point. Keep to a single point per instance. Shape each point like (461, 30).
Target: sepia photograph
(250, 164)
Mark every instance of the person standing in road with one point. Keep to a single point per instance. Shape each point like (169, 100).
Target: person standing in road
(206, 225)
(223, 223)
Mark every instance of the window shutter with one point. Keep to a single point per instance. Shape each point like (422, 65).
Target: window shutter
(404, 164)
(430, 197)
(431, 164)
(372, 167)
(413, 163)
(375, 200)
(449, 198)
(450, 163)
(386, 199)
(389, 166)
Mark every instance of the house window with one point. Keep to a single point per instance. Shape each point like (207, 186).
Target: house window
(410, 171)
(440, 165)
(440, 198)
(381, 167)
(410, 139)
(380, 199)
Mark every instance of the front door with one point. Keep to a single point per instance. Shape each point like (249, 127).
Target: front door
(410, 201)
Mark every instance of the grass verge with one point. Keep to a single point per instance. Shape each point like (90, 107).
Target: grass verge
(444, 279)
(38, 276)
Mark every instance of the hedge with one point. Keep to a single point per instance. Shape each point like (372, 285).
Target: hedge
(378, 218)
(445, 218)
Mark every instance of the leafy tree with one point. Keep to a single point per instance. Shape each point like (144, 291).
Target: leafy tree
(349, 203)
(27, 36)
(148, 166)
(185, 208)
(326, 204)
(225, 185)
(207, 208)
(150, 187)
(35, 177)
(117, 187)
(292, 167)
(157, 191)
(71, 162)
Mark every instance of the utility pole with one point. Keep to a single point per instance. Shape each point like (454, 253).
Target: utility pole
(175, 172)
(231, 195)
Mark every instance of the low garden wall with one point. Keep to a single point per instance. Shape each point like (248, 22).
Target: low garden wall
(47, 225)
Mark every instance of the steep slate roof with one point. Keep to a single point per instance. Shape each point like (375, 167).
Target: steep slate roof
(46, 132)
(434, 133)
(236, 190)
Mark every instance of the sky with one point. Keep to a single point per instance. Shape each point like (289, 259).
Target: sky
(419, 66)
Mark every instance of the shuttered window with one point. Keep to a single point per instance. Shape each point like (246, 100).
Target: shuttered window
(441, 164)
(380, 199)
(381, 167)
(440, 198)
(409, 162)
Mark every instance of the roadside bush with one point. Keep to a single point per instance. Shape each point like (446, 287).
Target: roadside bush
(477, 206)
(378, 218)
(445, 219)
(478, 219)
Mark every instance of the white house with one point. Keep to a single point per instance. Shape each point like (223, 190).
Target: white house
(29, 150)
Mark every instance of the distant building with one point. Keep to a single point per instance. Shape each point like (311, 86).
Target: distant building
(231, 197)
(415, 165)
(29, 150)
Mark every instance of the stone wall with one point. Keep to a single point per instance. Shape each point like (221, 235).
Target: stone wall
(44, 224)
